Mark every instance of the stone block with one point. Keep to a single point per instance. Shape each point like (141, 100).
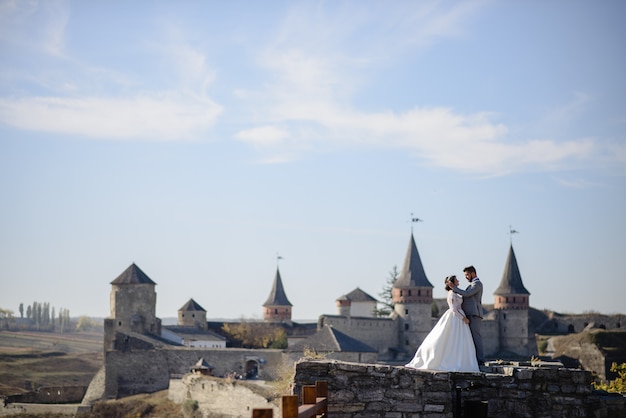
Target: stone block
(524, 374)
(434, 408)
(408, 407)
(552, 388)
(370, 395)
(401, 394)
(341, 396)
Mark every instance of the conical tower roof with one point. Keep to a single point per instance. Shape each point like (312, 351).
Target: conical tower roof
(277, 296)
(133, 275)
(412, 274)
(192, 305)
(511, 283)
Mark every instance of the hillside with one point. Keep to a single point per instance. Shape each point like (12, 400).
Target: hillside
(31, 359)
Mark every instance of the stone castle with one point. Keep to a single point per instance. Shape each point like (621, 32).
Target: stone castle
(141, 354)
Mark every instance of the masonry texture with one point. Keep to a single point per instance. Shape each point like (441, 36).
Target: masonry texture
(372, 390)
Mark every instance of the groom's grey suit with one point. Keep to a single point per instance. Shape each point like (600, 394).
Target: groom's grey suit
(473, 308)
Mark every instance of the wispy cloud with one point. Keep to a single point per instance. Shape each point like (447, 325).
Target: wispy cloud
(314, 78)
(172, 116)
(35, 24)
(308, 81)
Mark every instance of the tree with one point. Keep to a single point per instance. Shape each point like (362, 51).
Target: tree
(619, 384)
(386, 294)
(29, 312)
(85, 323)
(248, 334)
(21, 310)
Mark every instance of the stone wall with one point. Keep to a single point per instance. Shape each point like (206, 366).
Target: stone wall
(378, 333)
(565, 324)
(145, 371)
(218, 397)
(50, 394)
(372, 390)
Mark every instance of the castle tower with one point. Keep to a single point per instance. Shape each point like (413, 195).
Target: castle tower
(356, 303)
(277, 307)
(133, 306)
(412, 295)
(511, 302)
(343, 305)
(192, 315)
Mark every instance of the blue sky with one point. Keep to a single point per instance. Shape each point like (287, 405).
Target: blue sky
(201, 139)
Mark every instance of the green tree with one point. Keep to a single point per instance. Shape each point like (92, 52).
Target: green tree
(29, 312)
(386, 294)
(45, 314)
(85, 323)
(21, 310)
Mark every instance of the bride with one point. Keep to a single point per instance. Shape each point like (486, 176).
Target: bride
(449, 346)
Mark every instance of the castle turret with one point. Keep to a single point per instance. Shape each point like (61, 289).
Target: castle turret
(511, 302)
(192, 315)
(133, 305)
(412, 295)
(343, 305)
(356, 303)
(277, 307)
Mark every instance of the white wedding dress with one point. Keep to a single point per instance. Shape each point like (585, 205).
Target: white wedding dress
(449, 346)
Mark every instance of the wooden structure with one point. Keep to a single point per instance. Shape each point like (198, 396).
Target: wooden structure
(314, 403)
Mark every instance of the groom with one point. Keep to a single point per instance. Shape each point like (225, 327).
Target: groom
(473, 308)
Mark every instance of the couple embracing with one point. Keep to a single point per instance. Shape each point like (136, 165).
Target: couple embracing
(455, 343)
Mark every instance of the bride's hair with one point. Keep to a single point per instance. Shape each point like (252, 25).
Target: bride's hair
(447, 280)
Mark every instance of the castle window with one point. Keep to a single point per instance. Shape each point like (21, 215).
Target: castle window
(401, 292)
(276, 311)
(507, 299)
(406, 327)
(119, 324)
(406, 312)
(193, 315)
(513, 299)
(409, 292)
(504, 316)
(183, 315)
(419, 293)
(406, 342)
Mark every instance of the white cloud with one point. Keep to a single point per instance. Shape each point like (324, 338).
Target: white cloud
(263, 135)
(163, 116)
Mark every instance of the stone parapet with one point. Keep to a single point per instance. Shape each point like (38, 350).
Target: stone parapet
(374, 390)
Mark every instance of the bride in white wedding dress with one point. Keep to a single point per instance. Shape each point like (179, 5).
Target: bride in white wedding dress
(449, 346)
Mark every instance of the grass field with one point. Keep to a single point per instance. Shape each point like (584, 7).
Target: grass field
(30, 359)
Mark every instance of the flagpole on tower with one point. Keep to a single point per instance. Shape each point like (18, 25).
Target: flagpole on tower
(278, 258)
(511, 232)
(414, 220)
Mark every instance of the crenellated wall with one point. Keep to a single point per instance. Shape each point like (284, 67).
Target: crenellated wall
(513, 391)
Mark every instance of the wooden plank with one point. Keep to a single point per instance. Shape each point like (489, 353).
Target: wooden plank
(290, 406)
(321, 387)
(263, 413)
(312, 410)
(309, 395)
